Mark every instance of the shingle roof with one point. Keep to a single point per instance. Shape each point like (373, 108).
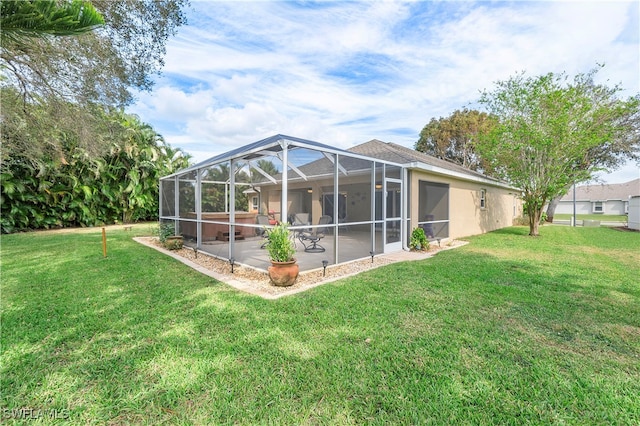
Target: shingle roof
(604, 192)
(399, 154)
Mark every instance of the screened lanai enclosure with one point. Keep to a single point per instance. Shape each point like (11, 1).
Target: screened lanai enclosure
(340, 206)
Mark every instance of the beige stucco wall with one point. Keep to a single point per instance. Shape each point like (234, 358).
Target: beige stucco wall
(465, 215)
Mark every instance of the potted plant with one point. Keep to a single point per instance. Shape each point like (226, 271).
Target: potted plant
(283, 271)
(167, 237)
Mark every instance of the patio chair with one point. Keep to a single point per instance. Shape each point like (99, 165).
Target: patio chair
(310, 239)
(300, 219)
(263, 220)
(342, 220)
(324, 220)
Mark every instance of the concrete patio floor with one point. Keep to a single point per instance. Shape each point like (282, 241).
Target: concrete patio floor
(353, 246)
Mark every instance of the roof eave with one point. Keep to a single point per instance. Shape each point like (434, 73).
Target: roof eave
(418, 165)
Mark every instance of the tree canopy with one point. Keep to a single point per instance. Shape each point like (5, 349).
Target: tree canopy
(60, 78)
(99, 66)
(552, 132)
(453, 138)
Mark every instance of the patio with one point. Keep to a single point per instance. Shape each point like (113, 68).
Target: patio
(249, 251)
(220, 205)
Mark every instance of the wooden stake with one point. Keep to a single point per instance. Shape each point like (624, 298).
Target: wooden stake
(104, 243)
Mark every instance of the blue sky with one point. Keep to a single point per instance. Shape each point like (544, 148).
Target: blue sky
(343, 73)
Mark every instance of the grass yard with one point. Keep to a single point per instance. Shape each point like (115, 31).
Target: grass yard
(506, 330)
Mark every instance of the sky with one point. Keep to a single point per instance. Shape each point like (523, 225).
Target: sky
(343, 73)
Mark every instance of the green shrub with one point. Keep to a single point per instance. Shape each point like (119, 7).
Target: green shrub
(280, 246)
(174, 243)
(418, 240)
(166, 229)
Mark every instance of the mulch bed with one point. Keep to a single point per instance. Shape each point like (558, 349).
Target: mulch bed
(257, 282)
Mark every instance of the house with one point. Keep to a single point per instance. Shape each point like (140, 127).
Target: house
(365, 200)
(600, 198)
(634, 213)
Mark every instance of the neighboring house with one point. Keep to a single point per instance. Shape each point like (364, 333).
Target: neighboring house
(600, 198)
(365, 200)
(634, 212)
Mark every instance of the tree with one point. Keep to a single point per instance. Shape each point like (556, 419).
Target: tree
(54, 75)
(453, 138)
(267, 167)
(549, 131)
(20, 19)
(623, 145)
(97, 66)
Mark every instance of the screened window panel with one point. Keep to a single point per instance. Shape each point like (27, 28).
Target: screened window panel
(355, 190)
(354, 242)
(187, 194)
(214, 189)
(168, 190)
(433, 208)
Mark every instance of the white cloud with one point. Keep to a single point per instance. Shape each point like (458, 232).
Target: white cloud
(346, 72)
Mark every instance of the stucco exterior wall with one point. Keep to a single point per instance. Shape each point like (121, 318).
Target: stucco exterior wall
(616, 207)
(634, 213)
(582, 207)
(466, 217)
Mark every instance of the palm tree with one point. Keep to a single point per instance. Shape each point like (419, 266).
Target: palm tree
(36, 18)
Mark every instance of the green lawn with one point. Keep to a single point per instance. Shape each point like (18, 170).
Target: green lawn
(506, 330)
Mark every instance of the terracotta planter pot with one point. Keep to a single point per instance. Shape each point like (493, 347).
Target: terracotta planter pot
(283, 274)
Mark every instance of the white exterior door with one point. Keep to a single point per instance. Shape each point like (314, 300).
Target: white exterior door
(393, 215)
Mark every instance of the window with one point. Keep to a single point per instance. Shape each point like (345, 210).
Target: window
(626, 207)
(598, 207)
(254, 203)
(483, 198)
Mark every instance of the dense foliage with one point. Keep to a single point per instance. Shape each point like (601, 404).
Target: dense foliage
(70, 156)
(76, 189)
